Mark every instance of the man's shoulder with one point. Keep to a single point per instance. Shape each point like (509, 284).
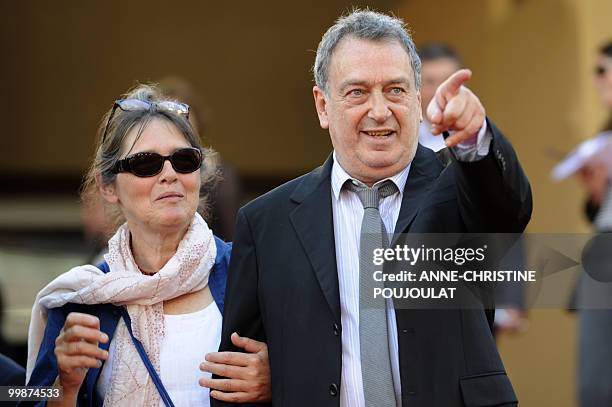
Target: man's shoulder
(273, 200)
(281, 196)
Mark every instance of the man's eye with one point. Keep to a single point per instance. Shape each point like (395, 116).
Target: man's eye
(397, 91)
(355, 92)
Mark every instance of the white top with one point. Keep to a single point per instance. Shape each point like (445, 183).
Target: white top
(189, 337)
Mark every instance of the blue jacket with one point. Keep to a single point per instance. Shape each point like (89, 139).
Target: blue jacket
(45, 369)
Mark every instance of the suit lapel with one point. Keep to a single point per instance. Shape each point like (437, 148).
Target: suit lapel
(314, 225)
(424, 169)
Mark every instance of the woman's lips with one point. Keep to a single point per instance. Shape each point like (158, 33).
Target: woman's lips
(172, 196)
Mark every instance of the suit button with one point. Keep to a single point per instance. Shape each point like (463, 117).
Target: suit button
(333, 389)
(336, 330)
(408, 331)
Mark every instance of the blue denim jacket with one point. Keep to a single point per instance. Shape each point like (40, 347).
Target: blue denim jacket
(45, 369)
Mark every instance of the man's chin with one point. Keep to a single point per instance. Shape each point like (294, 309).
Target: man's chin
(381, 160)
(377, 170)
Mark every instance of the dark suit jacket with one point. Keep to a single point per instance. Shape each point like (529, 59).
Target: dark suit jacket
(283, 284)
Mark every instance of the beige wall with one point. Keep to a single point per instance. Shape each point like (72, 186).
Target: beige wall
(65, 62)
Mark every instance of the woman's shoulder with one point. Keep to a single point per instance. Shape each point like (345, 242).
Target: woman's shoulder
(224, 251)
(218, 277)
(223, 248)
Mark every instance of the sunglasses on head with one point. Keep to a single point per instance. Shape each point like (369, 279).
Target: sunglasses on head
(134, 105)
(184, 161)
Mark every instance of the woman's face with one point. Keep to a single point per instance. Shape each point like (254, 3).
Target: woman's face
(603, 79)
(165, 202)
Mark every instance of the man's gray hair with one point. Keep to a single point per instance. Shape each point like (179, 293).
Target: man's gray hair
(367, 25)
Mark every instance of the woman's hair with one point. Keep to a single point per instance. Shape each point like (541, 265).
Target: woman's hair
(109, 150)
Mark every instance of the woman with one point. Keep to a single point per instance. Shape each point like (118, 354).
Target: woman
(163, 282)
(595, 325)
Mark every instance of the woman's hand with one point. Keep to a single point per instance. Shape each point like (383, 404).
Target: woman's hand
(76, 350)
(594, 178)
(248, 374)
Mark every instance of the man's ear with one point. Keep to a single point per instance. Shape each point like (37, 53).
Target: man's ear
(321, 106)
(107, 190)
(420, 106)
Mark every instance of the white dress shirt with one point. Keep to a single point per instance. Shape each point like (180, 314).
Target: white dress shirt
(347, 214)
(465, 151)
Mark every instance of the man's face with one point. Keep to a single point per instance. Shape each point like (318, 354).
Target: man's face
(433, 73)
(372, 108)
(603, 80)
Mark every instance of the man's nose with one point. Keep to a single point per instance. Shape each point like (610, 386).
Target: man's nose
(379, 109)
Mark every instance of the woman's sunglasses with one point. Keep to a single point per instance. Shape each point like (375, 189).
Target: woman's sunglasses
(184, 161)
(134, 105)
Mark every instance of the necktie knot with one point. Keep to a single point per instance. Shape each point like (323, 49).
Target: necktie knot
(370, 197)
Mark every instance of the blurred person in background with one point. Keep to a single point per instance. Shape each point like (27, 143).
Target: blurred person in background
(96, 229)
(226, 195)
(595, 325)
(153, 310)
(438, 62)
(594, 176)
(11, 373)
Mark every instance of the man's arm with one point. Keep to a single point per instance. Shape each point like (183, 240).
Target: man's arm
(242, 311)
(494, 193)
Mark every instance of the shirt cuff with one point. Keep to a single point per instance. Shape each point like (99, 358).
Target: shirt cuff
(476, 148)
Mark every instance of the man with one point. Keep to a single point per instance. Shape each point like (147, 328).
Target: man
(438, 63)
(294, 273)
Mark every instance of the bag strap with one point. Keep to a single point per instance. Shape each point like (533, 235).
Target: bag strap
(143, 355)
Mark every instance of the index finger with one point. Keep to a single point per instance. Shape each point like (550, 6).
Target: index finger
(248, 344)
(79, 318)
(229, 358)
(451, 86)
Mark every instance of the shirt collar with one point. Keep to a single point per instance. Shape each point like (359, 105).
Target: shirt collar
(339, 176)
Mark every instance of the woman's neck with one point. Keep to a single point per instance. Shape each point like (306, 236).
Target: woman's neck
(152, 251)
